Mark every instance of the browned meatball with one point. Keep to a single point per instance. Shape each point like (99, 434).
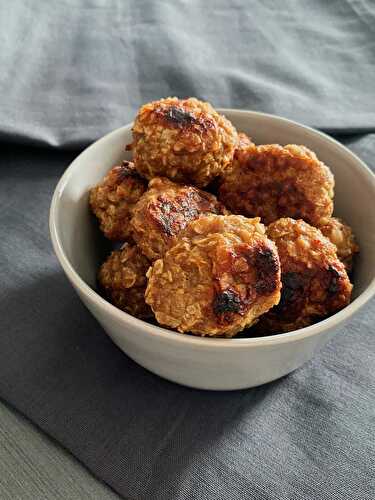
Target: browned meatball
(164, 210)
(122, 277)
(112, 200)
(271, 181)
(185, 140)
(219, 277)
(314, 281)
(341, 235)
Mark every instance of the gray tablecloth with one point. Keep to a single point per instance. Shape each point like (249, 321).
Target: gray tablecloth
(34, 467)
(71, 71)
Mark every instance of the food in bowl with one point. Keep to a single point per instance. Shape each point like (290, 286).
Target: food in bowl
(185, 140)
(341, 235)
(113, 200)
(164, 210)
(315, 282)
(219, 277)
(214, 274)
(271, 181)
(122, 279)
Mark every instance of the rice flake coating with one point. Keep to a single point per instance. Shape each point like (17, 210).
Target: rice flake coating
(271, 181)
(113, 200)
(219, 277)
(341, 235)
(314, 281)
(122, 277)
(164, 210)
(185, 140)
(244, 143)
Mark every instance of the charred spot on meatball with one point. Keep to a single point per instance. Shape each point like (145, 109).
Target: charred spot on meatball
(172, 215)
(267, 267)
(126, 169)
(179, 117)
(226, 301)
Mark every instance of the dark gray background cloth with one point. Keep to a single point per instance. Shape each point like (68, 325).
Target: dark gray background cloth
(71, 71)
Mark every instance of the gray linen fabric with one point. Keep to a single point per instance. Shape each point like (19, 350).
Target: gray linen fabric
(71, 71)
(32, 467)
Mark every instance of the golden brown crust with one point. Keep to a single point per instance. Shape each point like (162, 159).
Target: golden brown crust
(164, 210)
(112, 200)
(244, 143)
(122, 277)
(314, 281)
(185, 140)
(341, 235)
(271, 181)
(218, 278)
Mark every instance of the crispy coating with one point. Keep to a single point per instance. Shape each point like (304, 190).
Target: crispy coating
(122, 277)
(218, 278)
(164, 210)
(341, 235)
(314, 281)
(244, 143)
(112, 200)
(271, 181)
(185, 140)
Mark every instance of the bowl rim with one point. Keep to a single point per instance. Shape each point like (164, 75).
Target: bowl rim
(203, 342)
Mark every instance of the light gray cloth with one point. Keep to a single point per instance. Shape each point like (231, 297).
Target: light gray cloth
(32, 467)
(71, 71)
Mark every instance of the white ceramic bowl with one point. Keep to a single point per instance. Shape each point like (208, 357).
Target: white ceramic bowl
(205, 363)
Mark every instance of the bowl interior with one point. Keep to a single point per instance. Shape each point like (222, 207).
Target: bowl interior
(354, 192)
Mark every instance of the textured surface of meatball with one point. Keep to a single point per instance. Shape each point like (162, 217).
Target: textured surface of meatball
(112, 200)
(123, 280)
(219, 277)
(314, 281)
(244, 143)
(341, 235)
(164, 210)
(271, 181)
(185, 140)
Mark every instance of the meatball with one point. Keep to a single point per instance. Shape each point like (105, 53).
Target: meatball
(219, 277)
(164, 210)
(341, 235)
(123, 280)
(271, 181)
(185, 140)
(112, 200)
(314, 281)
